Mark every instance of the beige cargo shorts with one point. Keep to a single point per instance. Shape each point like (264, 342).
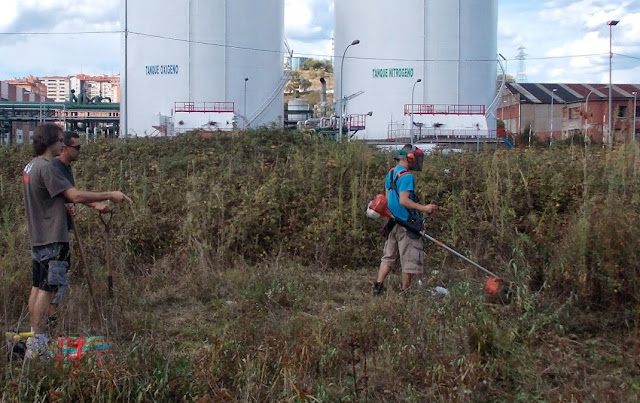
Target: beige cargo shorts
(401, 249)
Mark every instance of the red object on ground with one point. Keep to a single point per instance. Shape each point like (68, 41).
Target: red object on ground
(492, 286)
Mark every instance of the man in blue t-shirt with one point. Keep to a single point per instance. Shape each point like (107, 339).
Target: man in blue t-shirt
(403, 246)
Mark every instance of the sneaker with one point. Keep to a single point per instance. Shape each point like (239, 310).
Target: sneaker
(37, 347)
(378, 289)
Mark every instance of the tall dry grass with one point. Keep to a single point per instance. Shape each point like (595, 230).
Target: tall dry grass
(243, 272)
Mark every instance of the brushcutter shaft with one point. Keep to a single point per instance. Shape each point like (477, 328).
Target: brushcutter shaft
(466, 259)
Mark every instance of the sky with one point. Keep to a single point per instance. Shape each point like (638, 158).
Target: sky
(565, 41)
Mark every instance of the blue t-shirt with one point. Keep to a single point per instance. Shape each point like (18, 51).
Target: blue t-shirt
(405, 183)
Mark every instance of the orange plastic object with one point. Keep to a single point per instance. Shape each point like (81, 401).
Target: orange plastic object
(492, 286)
(379, 205)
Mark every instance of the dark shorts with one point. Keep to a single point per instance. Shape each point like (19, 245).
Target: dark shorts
(50, 266)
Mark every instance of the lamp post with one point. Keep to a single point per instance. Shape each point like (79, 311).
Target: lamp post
(411, 128)
(355, 42)
(506, 66)
(519, 128)
(611, 24)
(244, 111)
(634, 114)
(551, 120)
(586, 112)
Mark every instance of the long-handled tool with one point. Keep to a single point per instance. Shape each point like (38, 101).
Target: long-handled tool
(466, 259)
(87, 269)
(107, 250)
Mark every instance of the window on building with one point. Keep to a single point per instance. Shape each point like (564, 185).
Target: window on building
(574, 113)
(622, 111)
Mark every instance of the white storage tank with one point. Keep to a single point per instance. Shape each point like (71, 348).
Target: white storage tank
(451, 45)
(202, 53)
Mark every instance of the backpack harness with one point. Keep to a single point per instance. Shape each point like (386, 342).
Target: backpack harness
(414, 224)
(394, 181)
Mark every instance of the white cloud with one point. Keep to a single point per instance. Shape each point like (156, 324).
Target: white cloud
(551, 31)
(8, 13)
(556, 32)
(309, 26)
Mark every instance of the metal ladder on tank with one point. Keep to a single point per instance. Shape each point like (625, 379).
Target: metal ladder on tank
(279, 87)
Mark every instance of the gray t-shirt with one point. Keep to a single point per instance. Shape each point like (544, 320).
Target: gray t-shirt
(46, 212)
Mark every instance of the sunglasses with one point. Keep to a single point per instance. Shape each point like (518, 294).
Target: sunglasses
(76, 147)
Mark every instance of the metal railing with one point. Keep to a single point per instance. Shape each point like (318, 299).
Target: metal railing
(443, 109)
(204, 107)
(439, 134)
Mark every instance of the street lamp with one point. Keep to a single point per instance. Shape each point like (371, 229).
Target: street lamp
(355, 42)
(245, 103)
(586, 112)
(551, 120)
(519, 128)
(411, 127)
(634, 114)
(611, 24)
(506, 66)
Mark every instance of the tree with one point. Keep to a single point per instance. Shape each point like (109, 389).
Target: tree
(315, 64)
(294, 82)
(305, 84)
(509, 79)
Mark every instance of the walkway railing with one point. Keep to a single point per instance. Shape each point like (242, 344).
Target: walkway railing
(204, 107)
(443, 109)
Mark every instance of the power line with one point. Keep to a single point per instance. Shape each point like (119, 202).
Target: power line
(62, 33)
(627, 56)
(318, 55)
(222, 45)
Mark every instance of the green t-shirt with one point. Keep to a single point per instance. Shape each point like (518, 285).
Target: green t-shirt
(46, 212)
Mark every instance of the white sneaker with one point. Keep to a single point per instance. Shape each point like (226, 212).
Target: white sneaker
(37, 347)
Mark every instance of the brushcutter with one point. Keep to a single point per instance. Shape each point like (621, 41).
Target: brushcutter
(378, 208)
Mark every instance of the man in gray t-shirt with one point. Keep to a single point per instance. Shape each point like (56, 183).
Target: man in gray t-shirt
(46, 209)
(45, 191)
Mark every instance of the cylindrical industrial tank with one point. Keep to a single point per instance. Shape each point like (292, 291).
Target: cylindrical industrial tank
(201, 51)
(450, 44)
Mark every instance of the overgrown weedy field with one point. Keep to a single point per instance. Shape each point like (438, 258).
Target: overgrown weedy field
(243, 272)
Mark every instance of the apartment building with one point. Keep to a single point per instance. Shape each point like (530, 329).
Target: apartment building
(92, 86)
(16, 131)
(57, 87)
(31, 84)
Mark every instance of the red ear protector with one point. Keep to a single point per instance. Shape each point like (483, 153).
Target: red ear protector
(413, 155)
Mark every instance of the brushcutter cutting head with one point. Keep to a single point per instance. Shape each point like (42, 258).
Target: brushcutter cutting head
(378, 207)
(497, 290)
(492, 286)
